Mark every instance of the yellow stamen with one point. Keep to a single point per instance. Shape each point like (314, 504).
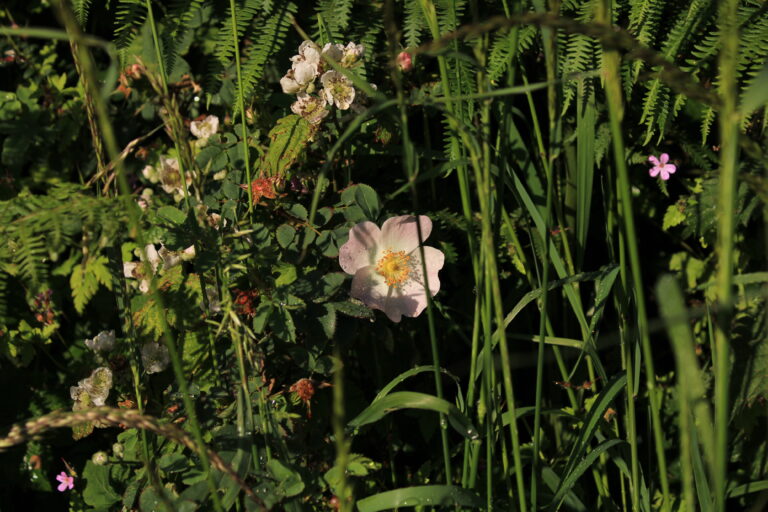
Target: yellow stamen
(395, 267)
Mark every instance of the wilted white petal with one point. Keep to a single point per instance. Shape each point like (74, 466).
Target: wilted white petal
(154, 357)
(334, 52)
(289, 83)
(311, 108)
(102, 342)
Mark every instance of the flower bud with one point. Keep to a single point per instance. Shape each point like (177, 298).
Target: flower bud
(405, 61)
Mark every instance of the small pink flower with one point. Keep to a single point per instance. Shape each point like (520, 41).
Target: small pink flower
(67, 482)
(405, 61)
(387, 265)
(661, 167)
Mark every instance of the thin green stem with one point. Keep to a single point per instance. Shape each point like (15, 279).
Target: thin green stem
(241, 103)
(615, 111)
(726, 224)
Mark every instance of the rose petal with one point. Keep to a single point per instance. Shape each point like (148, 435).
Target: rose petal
(664, 158)
(401, 233)
(653, 160)
(369, 287)
(361, 248)
(654, 171)
(670, 168)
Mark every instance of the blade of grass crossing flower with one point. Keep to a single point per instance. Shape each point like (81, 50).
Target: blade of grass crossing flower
(241, 103)
(615, 111)
(726, 224)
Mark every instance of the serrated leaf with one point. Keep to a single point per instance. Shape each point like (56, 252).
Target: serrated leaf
(288, 139)
(674, 216)
(285, 235)
(84, 285)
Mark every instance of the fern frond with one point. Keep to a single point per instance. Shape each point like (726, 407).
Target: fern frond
(268, 42)
(414, 24)
(129, 18)
(244, 14)
(334, 14)
(81, 9)
(175, 32)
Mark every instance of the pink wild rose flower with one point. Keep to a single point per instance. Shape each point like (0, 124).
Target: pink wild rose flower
(660, 167)
(387, 265)
(67, 482)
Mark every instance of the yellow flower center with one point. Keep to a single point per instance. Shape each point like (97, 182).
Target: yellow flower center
(395, 267)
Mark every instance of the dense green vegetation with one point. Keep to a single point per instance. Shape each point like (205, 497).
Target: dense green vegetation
(355, 255)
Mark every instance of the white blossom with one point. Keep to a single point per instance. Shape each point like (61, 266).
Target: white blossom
(205, 128)
(351, 54)
(337, 89)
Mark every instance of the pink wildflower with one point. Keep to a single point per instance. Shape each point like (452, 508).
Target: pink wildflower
(67, 482)
(387, 265)
(660, 167)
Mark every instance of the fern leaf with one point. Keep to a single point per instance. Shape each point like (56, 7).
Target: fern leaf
(129, 17)
(81, 9)
(269, 41)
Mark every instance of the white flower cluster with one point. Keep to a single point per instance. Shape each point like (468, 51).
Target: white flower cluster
(167, 258)
(336, 90)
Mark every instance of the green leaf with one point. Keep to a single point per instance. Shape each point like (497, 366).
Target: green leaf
(98, 491)
(287, 274)
(330, 284)
(353, 309)
(411, 400)
(298, 211)
(85, 280)
(422, 495)
(289, 481)
(328, 321)
(674, 216)
(756, 94)
(172, 462)
(368, 201)
(172, 214)
(285, 235)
